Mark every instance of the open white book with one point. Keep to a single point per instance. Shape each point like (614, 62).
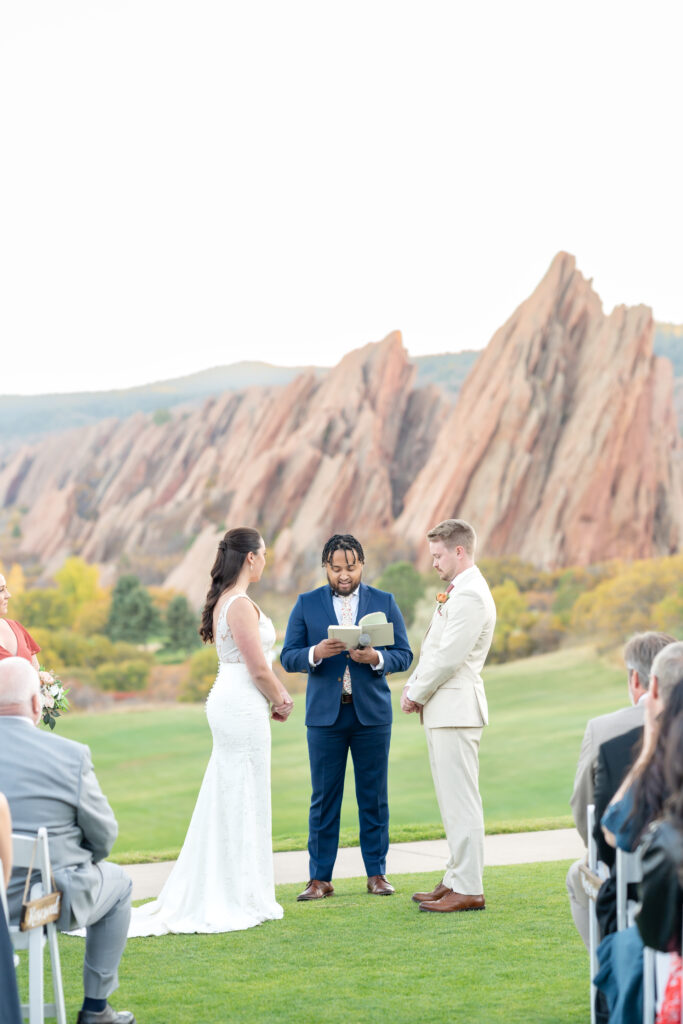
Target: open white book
(373, 628)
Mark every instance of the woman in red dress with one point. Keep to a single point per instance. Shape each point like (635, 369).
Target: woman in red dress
(14, 639)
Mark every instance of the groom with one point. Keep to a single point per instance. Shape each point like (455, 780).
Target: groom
(446, 687)
(348, 707)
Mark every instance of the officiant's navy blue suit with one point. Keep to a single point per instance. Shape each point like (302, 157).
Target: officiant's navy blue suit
(362, 726)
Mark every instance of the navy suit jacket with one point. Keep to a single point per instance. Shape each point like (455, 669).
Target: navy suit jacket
(308, 622)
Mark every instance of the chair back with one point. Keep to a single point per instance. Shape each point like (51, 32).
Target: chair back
(629, 869)
(27, 849)
(3, 892)
(23, 852)
(592, 916)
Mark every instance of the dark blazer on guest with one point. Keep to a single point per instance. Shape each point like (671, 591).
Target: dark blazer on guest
(615, 757)
(308, 622)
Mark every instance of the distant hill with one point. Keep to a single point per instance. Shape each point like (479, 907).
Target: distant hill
(28, 418)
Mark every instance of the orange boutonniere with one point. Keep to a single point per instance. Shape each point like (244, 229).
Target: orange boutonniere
(442, 598)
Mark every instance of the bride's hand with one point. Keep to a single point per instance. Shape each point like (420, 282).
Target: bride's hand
(281, 712)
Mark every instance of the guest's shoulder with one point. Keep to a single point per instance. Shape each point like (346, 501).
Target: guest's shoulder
(614, 724)
(35, 738)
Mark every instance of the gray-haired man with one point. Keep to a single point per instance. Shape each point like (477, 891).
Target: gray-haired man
(639, 654)
(49, 781)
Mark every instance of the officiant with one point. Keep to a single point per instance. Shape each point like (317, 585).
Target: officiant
(348, 708)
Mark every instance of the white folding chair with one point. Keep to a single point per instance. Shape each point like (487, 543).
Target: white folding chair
(629, 869)
(33, 940)
(592, 915)
(3, 892)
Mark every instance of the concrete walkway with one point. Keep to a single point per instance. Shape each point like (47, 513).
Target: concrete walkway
(403, 858)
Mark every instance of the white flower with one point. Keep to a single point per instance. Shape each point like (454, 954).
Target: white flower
(56, 690)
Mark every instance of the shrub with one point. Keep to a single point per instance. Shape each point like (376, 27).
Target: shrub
(126, 676)
(202, 675)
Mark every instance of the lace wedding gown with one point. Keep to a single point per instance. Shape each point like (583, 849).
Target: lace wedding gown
(223, 879)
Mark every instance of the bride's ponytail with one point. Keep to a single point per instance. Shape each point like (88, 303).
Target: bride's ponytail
(232, 551)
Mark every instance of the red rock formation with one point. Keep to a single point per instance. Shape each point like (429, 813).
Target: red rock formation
(563, 447)
(300, 463)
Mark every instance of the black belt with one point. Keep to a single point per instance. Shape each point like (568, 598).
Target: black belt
(347, 698)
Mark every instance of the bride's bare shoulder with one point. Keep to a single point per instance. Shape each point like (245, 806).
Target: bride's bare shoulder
(238, 610)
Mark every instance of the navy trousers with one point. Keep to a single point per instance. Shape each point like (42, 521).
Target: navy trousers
(328, 748)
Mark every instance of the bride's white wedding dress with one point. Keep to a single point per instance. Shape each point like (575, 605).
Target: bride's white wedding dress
(223, 879)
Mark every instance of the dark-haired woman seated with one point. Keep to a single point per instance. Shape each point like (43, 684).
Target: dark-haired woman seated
(661, 891)
(223, 879)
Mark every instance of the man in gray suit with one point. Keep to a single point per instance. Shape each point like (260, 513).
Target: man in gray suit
(50, 781)
(639, 653)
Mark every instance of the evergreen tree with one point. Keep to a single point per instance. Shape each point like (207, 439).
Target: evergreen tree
(182, 625)
(132, 615)
(403, 581)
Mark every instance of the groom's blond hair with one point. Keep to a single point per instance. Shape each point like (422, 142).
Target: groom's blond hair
(454, 532)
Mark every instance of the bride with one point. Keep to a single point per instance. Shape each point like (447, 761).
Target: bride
(223, 879)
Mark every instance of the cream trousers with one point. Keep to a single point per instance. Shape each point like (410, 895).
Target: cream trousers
(454, 760)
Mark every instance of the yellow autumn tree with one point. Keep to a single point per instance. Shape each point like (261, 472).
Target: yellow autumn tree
(626, 603)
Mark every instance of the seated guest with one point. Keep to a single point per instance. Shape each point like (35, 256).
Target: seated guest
(10, 1008)
(50, 781)
(638, 801)
(641, 796)
(596, 783)
(14, 639)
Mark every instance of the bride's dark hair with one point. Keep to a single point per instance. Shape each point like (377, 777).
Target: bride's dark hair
(232, 551)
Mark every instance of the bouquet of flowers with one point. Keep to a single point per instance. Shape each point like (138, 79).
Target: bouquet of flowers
(53, 697)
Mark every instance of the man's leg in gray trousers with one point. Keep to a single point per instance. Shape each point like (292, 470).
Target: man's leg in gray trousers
(106, 932)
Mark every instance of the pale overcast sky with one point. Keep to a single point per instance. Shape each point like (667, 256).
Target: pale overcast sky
(186, 183)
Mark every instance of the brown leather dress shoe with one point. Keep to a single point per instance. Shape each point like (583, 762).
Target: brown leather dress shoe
(316, 890)
(454, 901)
(378, 886)
(435, 894)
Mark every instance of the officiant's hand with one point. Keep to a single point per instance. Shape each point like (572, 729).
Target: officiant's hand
(365, 656)
(328, 649)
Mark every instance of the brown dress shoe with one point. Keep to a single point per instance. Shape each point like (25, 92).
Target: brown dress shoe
(435, 894)
(454, 901)
(378, 886)
(316, 890)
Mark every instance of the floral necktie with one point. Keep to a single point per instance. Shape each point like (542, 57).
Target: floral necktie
(346, 620)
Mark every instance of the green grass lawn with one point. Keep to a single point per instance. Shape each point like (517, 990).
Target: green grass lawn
(150, 762)
(356, 959)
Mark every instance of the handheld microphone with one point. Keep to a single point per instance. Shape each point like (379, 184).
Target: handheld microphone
(364, 640)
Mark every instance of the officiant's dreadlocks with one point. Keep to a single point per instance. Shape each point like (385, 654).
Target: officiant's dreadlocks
(342, 542)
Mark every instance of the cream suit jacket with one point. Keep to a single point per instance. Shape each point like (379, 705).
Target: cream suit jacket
(447, 679)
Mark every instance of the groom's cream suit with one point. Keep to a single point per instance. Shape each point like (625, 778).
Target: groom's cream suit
(447, 682)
